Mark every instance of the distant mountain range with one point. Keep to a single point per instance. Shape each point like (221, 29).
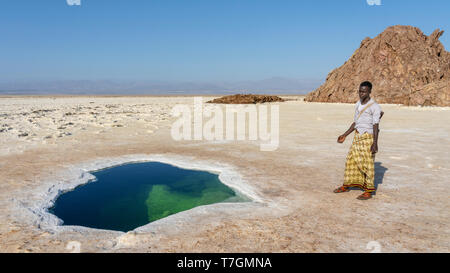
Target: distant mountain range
(274, 85)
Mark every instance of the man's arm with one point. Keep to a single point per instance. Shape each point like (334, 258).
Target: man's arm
(376, 116)
(374, 147)
(341, 138)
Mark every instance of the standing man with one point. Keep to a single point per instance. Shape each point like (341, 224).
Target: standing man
(360, 168)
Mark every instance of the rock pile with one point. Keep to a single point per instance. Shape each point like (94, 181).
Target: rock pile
(246, 99)
(404, 65)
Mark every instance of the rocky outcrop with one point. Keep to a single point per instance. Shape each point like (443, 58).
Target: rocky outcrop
(404, 65)
(246, 99)
(437, 93)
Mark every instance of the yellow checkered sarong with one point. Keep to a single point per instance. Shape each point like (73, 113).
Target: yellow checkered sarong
(360, 168)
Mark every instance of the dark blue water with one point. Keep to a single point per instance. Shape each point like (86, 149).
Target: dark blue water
(132, 195)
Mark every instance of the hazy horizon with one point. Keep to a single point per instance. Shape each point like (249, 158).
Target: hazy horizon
(274, 85)
(175, 46)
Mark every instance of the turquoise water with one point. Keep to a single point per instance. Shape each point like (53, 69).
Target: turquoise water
(128, 196)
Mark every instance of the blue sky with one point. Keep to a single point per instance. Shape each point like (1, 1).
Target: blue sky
(196, 40)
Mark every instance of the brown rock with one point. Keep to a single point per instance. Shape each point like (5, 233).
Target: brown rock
(246, 99)
(404, 65)
(437, 93)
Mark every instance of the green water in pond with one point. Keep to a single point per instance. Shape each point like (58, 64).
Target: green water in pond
(128, 196)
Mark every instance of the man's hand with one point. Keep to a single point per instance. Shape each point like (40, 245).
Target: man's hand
(374, 148)
(341, 138)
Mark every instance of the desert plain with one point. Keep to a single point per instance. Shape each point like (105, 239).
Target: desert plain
(46, 141)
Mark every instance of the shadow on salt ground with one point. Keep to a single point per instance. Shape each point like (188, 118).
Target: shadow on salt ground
(379, 175)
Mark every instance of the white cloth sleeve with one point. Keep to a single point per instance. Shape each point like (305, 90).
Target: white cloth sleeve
(376, 114)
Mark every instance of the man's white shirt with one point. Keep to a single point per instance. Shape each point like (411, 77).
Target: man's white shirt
(367, 119)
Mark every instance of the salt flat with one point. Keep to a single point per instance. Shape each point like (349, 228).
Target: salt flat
(45, 141)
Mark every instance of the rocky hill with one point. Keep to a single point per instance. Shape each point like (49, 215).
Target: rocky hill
(404, 65)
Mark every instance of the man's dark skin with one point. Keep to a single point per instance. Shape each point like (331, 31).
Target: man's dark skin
(364, 96)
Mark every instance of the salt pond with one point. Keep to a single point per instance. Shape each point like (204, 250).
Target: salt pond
(128, 196)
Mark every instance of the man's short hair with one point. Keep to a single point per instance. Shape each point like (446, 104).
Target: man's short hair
(368, 84)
